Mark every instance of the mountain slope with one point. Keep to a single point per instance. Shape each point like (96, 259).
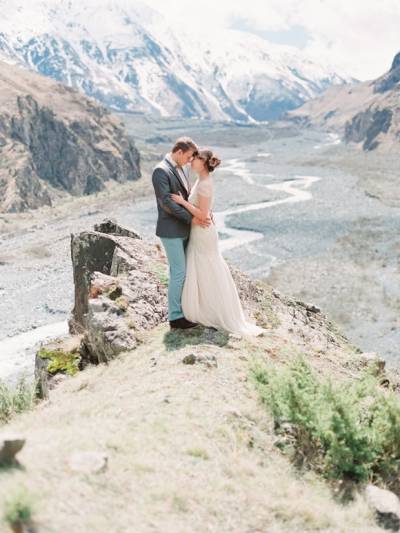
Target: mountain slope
(366, 114)
(55, 140)
(188, 448)
(128, 58)
(183, 440)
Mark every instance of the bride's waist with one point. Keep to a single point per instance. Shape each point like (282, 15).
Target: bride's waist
(197, 228)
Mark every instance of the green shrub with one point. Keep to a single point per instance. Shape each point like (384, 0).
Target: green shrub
(348, 430)
(18, 509)
(15, 399)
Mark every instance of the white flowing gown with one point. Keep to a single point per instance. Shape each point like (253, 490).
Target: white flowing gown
(209, 294)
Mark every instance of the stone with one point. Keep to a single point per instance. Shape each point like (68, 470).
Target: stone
(88, 462)
(386, 505)
(119, 290)
(111, 227)
(207, 360)
(45, 379)
(10, 445)
(90, 252)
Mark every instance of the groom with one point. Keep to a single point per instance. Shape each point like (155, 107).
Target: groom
(174, 221)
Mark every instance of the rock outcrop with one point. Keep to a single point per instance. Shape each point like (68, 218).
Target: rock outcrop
(120, 289)
(391, 79)
(121, 285)
(54, 140)
(366, 126)
(366, 114)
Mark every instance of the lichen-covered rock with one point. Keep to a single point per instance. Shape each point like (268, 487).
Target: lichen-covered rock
(120, 289)
(90, 252)
(55, 359)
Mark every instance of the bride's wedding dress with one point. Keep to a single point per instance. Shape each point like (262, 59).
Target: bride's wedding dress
(209, 294)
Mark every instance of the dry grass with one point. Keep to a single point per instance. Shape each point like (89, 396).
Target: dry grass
(189, 447)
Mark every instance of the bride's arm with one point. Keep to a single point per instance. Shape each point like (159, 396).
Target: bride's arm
(201, 212)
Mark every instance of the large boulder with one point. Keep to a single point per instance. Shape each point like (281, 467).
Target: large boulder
(120, 289)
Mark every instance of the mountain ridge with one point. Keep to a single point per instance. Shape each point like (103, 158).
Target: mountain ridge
(366, 115)
(130, 59)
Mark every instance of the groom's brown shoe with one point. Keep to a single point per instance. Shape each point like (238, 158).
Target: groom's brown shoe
(182, 323)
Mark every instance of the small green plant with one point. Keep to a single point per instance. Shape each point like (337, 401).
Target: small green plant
(348, 430)
(15, 399)
(61, 361)
(198, 452)
(18, 510)
(161, 272)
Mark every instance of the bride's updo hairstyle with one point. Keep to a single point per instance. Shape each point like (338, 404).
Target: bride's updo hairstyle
(210, 160)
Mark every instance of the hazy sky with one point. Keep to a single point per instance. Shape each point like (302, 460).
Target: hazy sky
(359, 36)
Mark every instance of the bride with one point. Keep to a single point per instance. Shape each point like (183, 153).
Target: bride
(209, 294)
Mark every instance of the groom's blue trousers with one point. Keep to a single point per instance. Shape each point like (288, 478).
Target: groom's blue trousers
(175, 249)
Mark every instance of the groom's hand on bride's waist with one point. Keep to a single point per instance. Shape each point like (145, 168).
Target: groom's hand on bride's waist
(203, 222)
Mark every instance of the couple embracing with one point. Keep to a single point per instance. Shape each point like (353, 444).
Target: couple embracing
(201, 289)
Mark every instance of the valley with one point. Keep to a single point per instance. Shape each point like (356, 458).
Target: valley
(295, 207)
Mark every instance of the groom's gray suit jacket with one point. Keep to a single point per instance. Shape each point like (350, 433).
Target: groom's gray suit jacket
(173, 219)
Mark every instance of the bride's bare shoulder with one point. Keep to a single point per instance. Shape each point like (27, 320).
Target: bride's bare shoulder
(205, 187)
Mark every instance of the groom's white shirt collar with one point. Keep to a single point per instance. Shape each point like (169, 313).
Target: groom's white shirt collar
(172, 161)
(179, 169)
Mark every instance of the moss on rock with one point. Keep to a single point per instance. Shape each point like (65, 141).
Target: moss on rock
(114, 292)
(61, 361)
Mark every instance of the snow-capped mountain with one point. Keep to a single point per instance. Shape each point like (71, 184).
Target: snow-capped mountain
(125, 55)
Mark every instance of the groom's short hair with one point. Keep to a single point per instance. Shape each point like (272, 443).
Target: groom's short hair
(184, 144)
